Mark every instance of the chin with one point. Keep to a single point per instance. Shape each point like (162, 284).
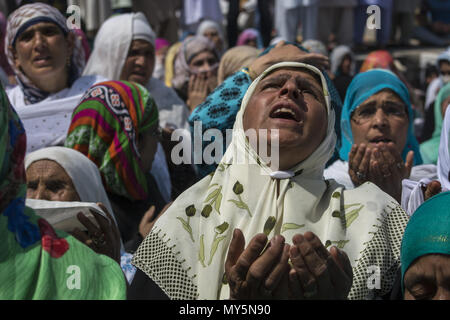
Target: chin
(139, 79)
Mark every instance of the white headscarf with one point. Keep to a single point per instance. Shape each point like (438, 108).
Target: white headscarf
(186, 250)
(83, 172)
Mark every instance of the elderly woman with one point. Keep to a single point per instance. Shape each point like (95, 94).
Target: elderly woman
(63, 174)
(116, 126)
(213, 31)
(425, 251)
(195, 74)
(378, 143)
(38, 260)
(249, 200)
(47, 59)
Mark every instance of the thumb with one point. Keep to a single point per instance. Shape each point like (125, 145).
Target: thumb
(150, 214)
(409, 162)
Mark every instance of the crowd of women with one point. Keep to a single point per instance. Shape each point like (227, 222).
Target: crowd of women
(354, 208)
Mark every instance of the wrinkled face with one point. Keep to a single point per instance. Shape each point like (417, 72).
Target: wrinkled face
(42, 51)
(292, 101)
(213, 35)
(203, 62)
(47, 180)
(147, 146)
(381, 119)
(428, 278)
(139, 63)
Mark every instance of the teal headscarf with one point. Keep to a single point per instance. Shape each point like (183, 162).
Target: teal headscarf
(427, 232)
(365, 85)
(430, 148)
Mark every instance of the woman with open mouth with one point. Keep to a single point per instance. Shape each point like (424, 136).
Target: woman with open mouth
(47, 59)
(378, 144)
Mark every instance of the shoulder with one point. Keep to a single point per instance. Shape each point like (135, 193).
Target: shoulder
(82, 84)
(15, 96)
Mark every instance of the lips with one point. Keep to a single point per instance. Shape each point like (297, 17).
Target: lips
(286, 110)
(380, 139)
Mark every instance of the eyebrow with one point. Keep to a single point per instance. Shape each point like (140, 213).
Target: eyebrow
(415, 279)
(298, 79)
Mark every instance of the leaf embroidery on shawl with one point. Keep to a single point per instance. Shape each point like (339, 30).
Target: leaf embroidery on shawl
(217, 239)
(238, 189)
(201, 253)
(348, 217)
(291, 226)
(190, 212)
(340, 243)
(215, 197)
(269, 225)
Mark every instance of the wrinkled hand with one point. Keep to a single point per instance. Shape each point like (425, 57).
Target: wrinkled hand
(286, 52)
(149, 220)
(252, 275)
(431, 189)
(197, 90)
(104, 239)
(382, 166)
(317, 273)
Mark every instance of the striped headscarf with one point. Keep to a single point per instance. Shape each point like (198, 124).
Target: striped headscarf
(105, 127)
(25, 17)
(34, 257)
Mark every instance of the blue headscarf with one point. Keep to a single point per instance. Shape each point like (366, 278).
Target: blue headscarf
(365, 85)
(427, 232)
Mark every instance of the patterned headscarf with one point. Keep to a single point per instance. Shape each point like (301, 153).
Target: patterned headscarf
(248, 35)
(189, 49)
(105, 127)
(25, 17)
(34, 257)
(365, 85)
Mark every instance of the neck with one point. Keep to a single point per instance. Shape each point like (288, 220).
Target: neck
(53, 84)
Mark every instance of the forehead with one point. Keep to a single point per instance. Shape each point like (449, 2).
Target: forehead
(384, 95)
(206, 54)
(296, 73)
(46, 168)
(141, 44)
(42, 25)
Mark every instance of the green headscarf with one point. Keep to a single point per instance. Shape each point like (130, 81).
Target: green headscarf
(427, 232)
(430, 148)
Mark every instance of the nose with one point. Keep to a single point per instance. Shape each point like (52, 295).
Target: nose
(39, 40)
(141, 60)
(42, 193)
(380, 119)
(291, 90)
(204, 67)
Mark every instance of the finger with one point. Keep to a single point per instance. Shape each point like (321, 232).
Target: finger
(316, 265)
(281, 268)
(361, 149)
(317, 245)
(364, 164)
(265, 262)
(433, 188)
(150, 214)
(341, 272)
(295, 286)
(80, 235)
(409, 163)
(381, 164)
(280, 44)
(236, 248)
(91, 228)
(281, 292)
(112, 222)
(303, 281)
